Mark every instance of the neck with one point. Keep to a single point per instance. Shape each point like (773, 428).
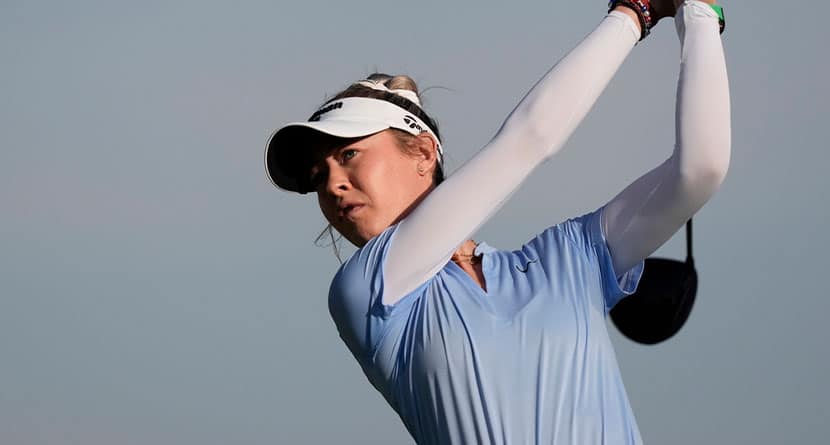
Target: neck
(465, 254)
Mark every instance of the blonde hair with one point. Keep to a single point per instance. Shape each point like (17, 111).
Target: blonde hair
(399, 82)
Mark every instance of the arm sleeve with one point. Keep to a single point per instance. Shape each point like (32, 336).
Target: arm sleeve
(535, 130)
(650, 210)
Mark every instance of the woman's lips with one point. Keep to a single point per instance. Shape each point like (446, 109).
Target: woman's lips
(349, 211)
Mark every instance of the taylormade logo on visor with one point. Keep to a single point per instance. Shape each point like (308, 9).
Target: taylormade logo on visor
(409, 120)
(316, 116)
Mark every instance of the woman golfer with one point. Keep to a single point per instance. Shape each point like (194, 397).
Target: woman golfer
(472, 345)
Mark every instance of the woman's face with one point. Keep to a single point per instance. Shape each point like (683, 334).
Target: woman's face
(364, 186)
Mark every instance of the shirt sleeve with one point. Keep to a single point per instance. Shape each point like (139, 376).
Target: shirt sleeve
(355, 301)
(586, 232)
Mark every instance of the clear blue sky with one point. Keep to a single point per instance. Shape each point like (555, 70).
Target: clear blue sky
(154, 287)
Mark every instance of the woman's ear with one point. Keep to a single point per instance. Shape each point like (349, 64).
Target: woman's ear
(427, 152)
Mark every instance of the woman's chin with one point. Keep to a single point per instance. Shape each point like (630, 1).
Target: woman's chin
(362, 235)
(360, 230)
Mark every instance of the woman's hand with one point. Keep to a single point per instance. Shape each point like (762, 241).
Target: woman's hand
(677, 3)
(664, 8)
(668, 8)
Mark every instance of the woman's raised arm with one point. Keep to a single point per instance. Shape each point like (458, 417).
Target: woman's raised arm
(535, 130)
(650, 210)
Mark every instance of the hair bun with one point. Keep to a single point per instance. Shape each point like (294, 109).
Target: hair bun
(402, 85)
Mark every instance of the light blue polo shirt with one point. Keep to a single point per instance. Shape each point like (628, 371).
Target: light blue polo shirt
(527, 362)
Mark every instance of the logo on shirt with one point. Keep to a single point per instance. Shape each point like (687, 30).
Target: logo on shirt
(527, 266)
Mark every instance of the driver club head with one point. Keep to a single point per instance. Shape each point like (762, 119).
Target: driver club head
(661, 304)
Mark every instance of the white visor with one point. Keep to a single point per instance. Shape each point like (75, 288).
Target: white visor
(287, 155)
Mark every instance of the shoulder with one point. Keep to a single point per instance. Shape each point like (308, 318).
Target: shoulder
(575, 235)
(362, 271)
(356, 289)
(355, 296)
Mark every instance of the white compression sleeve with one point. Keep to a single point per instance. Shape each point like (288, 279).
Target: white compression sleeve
(650, 210)
(535, 130)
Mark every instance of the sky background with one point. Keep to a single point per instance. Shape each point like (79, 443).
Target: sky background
(156, 289)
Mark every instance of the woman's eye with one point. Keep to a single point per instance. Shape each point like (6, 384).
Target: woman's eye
(348, 154)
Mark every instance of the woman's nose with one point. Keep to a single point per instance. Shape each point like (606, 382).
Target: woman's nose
(338, 181)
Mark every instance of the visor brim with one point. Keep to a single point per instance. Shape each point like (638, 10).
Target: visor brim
(288, 152)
